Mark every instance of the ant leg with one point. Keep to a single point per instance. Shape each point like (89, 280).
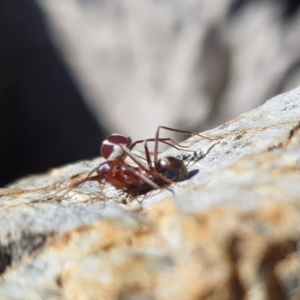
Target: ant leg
(157, 138)
(185, 132)
(166, 141)
(101, 194)
(143, 177)
(147, 180)
(148, 157)
(162, 177)
(77, 184)
(134, 158)
(141, 165)
(153, 168)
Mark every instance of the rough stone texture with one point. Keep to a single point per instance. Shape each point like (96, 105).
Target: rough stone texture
(230, 232)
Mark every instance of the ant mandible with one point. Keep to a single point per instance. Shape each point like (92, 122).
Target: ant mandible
(139, 179)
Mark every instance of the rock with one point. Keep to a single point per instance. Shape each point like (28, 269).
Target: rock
(203, 57)
(231, 231)
(186, 64)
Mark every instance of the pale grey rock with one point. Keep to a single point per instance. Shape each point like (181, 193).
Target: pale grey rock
(48, 240)
(187, 64)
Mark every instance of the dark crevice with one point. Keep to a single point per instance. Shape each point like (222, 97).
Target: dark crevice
(283, 145)
(294, 131)
(5, 259)
(274, 254)
(13, 252)
(237, 288)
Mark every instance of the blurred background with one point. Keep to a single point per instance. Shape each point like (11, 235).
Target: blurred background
(73, 71)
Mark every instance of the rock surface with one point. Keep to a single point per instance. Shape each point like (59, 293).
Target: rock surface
(231, 231)
(185, 63)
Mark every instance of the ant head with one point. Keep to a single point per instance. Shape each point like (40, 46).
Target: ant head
(173, 168)
(110, 146)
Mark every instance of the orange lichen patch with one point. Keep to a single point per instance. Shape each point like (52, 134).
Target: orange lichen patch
(103, 235)
(220, 254)
(234, 235)
(161, 209)
(288, 273)
(283, 218)
(120, 273)
(195, 277)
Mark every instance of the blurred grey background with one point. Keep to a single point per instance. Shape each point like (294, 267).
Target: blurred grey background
(72, 71)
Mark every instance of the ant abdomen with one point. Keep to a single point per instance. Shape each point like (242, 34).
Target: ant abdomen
(172, 168)
(111, 146)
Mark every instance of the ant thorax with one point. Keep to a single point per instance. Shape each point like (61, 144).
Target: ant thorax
(111, 146)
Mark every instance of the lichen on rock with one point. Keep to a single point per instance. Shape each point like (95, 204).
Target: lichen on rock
(229, 232)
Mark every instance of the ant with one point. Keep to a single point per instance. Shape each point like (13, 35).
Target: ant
(139, 179)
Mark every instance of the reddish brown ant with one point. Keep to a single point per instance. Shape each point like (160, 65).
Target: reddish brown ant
(139, 179)
(161, 165)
